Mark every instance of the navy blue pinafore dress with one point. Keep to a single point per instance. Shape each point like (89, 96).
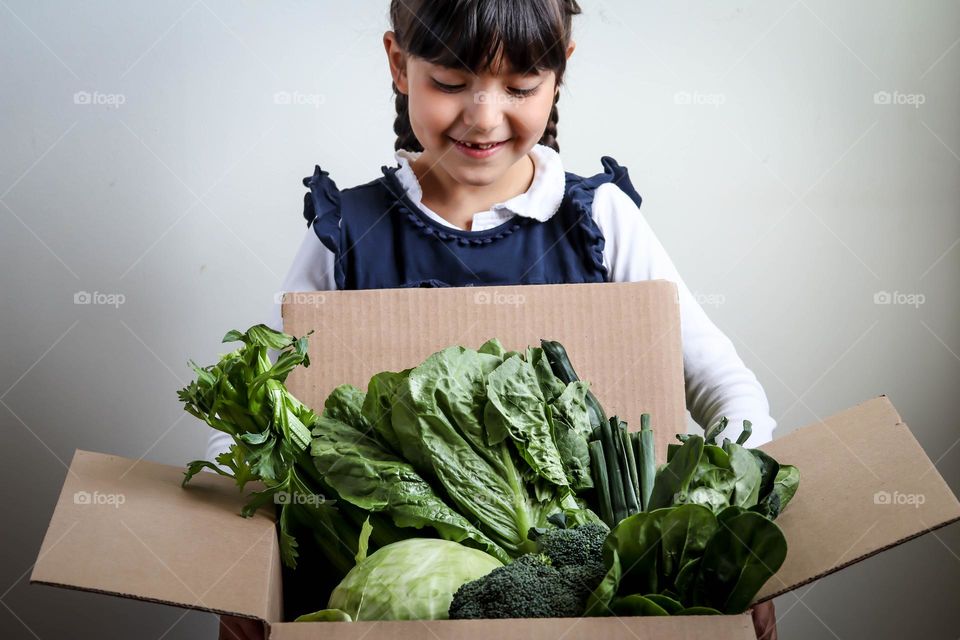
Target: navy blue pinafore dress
(381, 239)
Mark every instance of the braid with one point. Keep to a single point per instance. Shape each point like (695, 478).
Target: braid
(549, 138)
(401, 126)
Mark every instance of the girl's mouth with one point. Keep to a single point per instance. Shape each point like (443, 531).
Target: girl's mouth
(474, 150)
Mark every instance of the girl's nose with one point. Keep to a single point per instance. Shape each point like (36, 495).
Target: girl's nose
(483, 111)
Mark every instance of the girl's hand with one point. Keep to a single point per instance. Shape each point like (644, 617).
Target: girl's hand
(765, 621)
(234, 628)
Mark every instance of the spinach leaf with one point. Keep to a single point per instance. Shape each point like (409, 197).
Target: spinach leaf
(768, 472)
(673, 480)
(685, 532)
(637, 542)
(667, 603)
(637, 605)
(744, 553)
(748, 475)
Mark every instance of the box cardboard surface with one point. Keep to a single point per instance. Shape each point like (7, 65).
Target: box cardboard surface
(127, 528)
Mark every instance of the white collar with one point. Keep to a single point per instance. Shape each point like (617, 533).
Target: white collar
(540, 201)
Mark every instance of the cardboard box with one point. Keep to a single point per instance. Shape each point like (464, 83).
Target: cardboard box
(127, 528)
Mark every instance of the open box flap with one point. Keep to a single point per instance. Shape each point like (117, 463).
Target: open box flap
(734, 627)
(622, 337)
(126, 527)
(865, 485)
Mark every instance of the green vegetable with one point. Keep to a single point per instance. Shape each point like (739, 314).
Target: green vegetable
(474, 426)
(554, 582)
(646, 459)
(637, 605)
(578, 546)
(733, 475)
(562, 369)
(689, 556)
(413, 579)
(744, 553)
(361, 471)
(243, 395)
(673, 481)
(529, 587)
(746, 489)
(705, 542)
(325, 615)
(475, 447)
(602, 482)
(634, 497)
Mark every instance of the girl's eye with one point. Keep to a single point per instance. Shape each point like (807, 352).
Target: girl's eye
(453, 88)
(449, 88)
(523, 93)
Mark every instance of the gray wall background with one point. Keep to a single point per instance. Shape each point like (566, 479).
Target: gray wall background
(786, 188)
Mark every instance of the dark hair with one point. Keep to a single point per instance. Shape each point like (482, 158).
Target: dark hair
(468, 34)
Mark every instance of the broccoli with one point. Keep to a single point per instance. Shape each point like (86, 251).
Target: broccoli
(528, 587)
(554, 583)
(579, 546)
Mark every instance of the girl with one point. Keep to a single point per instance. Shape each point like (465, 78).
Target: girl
(479, 196)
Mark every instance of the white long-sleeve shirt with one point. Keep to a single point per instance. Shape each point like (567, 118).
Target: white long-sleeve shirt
(717, 381)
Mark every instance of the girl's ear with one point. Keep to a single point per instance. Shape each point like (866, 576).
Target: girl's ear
(570, 48)
(397, 59)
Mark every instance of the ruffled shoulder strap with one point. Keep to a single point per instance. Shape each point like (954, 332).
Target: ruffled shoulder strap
(321, 208)
(615, 173)
(581, 192)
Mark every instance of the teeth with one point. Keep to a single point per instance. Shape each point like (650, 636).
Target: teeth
(478, 146)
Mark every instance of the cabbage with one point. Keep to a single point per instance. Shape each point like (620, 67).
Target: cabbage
(413, 579)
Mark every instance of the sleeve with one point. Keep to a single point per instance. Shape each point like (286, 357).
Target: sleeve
(717, 381)
(312, 270)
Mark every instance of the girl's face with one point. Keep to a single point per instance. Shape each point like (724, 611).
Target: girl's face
(452, 111)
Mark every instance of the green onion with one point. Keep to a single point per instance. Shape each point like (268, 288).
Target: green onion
(601, 482)
(646, 459)
(634, 500)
